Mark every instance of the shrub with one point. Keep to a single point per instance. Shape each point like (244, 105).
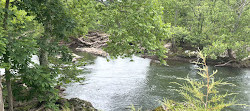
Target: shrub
(200, 95)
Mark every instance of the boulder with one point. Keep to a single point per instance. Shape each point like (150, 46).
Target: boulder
(77, 104)
(168, 45)
(95, 51)
(91, 40)
(76, 57)
(190, 53)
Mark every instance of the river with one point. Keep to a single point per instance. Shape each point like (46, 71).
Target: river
(119, 83)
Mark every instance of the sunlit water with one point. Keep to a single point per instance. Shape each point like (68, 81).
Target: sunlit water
(117, 84)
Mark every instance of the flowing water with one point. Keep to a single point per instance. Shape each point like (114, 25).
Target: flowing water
(117, 84)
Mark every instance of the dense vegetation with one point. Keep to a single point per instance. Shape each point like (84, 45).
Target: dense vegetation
(40, 27)
(201, 95)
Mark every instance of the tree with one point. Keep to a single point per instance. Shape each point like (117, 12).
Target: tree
(22, 29)
(135, 27)
(7, 72)
(176, 13)
(19, 48)
(2, 51)
(57, 24)
(86, 15)
(229, 29)
(214, 26)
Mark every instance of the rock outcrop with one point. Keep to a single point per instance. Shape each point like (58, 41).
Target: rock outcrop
(91, 43)
(95, 51)
(74, 104)
(77, 104)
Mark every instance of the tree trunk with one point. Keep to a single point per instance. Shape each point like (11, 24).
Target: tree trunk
(174, 49)
(1, 95)
(8, 82)
(6, 60)
(9, 89)
(45, 40)
(230, 53)
(43, 57)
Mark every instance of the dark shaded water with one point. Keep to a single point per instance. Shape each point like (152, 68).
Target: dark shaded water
(116, 85)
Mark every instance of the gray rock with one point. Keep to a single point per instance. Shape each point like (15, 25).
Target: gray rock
(95, 51)
(81, 105)
(168, 45)
(76, 57)
(191, 53)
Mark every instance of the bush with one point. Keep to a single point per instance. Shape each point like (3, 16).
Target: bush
(200, 95)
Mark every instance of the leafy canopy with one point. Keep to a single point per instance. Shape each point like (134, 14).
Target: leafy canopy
(135, 27)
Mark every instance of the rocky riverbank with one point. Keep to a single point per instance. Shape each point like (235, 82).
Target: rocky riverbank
(220, 62)
(73, 104)
(93, 43)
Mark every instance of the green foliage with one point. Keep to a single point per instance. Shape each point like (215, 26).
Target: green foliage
(67, 72)
(53, 14)
(201, 95)
(85, 14)
(42, 83)
(134, 109)
(2, 41)
(135, 27)
(2, 31)
(42, 80)
(66, 109)
(20, 38)
(213, 26)
(228, 33)
(57, 20)
(176, 13)
(139, 26)
(180, 35)
(31, 23)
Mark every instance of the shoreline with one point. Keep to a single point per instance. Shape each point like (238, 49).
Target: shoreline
(94, 42)
(214, 63)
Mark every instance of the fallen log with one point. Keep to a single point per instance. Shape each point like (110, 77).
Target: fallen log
(221, 65)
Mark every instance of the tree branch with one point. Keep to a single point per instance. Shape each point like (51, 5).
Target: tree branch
(221, 65)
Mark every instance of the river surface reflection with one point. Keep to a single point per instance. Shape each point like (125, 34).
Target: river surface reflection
(117, 84)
